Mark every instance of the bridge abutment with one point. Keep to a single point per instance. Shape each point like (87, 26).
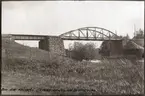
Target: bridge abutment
(52, 44)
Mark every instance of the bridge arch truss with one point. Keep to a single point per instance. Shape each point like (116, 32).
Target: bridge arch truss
(90, 33)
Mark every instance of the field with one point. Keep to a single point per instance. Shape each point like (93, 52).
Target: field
(40, 71)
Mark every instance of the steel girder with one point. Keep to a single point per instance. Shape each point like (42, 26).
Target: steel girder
(90, 33)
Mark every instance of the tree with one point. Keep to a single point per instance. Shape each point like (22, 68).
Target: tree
(140, 34)
(89, 51)
(83, 51)
(77, 51)
(127, 36)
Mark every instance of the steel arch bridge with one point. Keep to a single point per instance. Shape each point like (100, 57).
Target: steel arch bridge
(90, 33)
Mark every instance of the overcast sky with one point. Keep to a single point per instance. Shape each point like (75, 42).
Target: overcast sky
(57, 17)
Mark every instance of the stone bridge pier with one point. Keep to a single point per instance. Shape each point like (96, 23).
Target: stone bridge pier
(116, 48)
(52, 44)
(112, 48)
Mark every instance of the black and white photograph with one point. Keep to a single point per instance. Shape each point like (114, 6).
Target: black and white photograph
(72, 48)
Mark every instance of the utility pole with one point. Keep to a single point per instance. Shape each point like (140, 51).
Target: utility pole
(115, 32)
(134, 30)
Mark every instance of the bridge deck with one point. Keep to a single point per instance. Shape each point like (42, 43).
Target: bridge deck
(29, 37)
(15, 37)
(41, 37)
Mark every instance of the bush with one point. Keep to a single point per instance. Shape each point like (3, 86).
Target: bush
(81, 51)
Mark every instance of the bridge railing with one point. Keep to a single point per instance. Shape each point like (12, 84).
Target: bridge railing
(88, 38)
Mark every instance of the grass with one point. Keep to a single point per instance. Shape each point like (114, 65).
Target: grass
(111, 76)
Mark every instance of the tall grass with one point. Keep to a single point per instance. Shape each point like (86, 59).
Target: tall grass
(47, 70)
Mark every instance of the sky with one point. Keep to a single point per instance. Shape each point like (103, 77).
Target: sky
(58, 17)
